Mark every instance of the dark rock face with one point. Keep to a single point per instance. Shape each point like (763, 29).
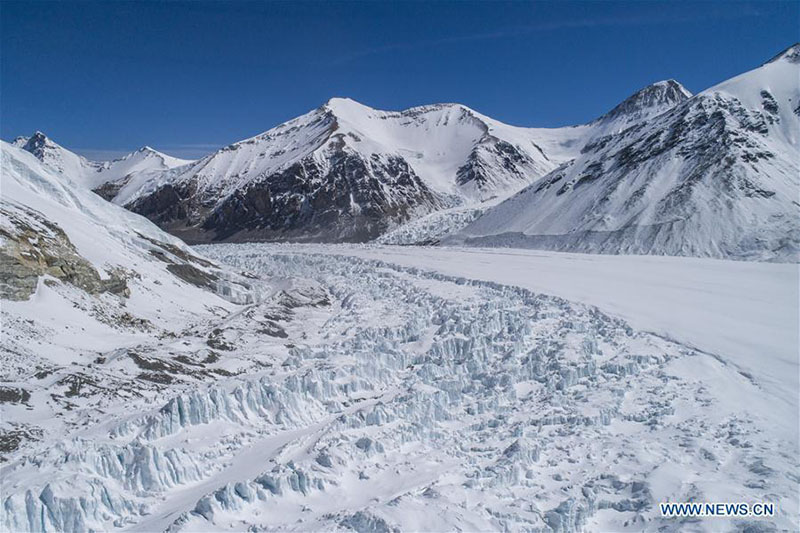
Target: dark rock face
(345, 198)
(169, 203)
(14, 395)
(476, 171)
(109, 190)
(36, 145)
(193, 275)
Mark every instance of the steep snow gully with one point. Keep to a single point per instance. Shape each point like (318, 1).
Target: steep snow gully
(420, 402)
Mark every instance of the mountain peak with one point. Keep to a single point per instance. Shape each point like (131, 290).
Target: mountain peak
(791, 54)
(37, 144)
(148, 150)
(648, 101)
(346, 107)
(340, 100)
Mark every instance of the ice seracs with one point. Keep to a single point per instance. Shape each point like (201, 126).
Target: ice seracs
(405, 400)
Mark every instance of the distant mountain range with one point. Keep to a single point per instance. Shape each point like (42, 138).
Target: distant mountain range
(265, 388)
(94, 174)
(664, 172)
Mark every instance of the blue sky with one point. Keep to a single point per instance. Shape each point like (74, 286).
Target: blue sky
(106, 78)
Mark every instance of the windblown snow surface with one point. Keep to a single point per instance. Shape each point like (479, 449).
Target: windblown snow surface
(376, 397)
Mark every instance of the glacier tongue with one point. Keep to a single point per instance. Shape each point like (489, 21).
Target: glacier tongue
(410, 400)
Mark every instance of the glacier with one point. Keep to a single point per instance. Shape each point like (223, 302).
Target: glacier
(407, 400)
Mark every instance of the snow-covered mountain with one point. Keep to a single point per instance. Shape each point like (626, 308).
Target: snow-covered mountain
(347, 172)
(643, 104)
(663, 172)
(648, 102)
(342, 172)
(54, 229)
(105, 176)
(716, 175)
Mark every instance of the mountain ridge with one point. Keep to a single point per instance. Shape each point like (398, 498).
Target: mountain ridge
(347, 172)
(716, 175)
(93, 174)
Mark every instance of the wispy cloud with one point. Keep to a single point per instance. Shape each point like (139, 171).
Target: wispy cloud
(744, 11)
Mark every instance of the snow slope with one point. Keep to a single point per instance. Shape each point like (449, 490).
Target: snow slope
(347, 172)
(104, 234)
(94, 174)
(76, 264)
(717, 175)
